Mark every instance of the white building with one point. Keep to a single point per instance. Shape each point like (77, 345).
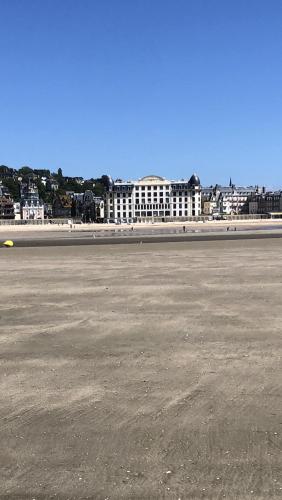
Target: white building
(17, 210)
(152, 197)
(31, 205)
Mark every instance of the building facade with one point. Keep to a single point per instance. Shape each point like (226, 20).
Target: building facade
(152, 197)
(266, 203)
(32, 207)
(6, 204)
(227, 200)
(62, 207)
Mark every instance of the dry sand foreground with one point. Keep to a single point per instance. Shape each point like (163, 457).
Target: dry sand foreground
(141, 372)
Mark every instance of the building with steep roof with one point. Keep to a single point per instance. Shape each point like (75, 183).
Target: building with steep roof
(227, 200)
(32, 208)
(267, 202)
(152, 197)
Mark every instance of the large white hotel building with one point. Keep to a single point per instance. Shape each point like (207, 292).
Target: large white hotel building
(153, 197)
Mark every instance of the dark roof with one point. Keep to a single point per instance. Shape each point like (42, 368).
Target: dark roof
(194, 180)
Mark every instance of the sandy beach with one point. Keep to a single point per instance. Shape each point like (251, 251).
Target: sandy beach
(75, 227)
(133, 372)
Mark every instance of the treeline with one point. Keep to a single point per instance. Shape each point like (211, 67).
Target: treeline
(49, 184)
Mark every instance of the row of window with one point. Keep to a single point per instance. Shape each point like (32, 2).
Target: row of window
(120, 208)
(155, 206)
(153, 213)
(121, 200)
(149, 200)
(150, 213)
(174, 194)
(162, 213)
(123, 188)
(124, 215)
(150, 188)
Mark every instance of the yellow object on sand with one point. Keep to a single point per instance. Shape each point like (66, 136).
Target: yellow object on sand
(8, 243)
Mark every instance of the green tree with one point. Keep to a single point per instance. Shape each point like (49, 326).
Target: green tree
(25, 171)
(41, 190)
(14, 187)
(99, 189)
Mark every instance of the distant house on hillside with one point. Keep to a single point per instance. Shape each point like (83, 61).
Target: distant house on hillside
(52, 184)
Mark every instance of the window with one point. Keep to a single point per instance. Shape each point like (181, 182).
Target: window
(143, 188)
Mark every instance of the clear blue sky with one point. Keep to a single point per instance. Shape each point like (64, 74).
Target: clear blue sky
(133, 87)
